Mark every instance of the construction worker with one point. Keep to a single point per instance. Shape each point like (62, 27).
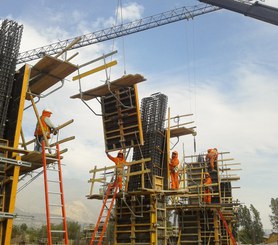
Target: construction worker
(208, 189)
(212, 157)
(174, 170)
(119, 161)
(48, 128)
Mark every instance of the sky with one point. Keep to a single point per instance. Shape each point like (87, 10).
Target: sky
(221, 67)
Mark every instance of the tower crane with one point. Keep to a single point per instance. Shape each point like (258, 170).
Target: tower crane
(255, 10)
(183, 13)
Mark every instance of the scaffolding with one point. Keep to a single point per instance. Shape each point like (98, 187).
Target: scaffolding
(143, 213)
(16, 87)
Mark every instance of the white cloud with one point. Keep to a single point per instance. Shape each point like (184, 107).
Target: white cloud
(130, 12)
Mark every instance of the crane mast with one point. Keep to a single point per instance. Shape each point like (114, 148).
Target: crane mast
(183, 13)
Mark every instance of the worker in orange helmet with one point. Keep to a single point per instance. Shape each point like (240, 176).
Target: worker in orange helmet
(212, 157)
(207, 181)
(119, 161)
(174, 170)
(48, 128)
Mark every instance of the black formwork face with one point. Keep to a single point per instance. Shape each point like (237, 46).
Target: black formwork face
(121, 117)
(133, 219)
(153, 113)
(10, 37)
(13, 108)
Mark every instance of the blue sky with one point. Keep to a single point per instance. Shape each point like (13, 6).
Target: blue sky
(221, 66)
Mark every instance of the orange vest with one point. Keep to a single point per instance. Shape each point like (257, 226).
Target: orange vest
(119, 163)
(208, 181)
(174, 164)
(46, 128)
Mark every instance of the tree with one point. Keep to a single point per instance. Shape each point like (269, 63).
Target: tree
(258, 232)
(73, 230)
(274, 216)
(244, 220)
(251, 228)
(15, 231)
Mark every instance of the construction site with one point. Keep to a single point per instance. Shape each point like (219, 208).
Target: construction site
(140, 199)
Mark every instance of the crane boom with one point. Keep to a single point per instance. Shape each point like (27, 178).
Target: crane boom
(183, 13)
(255, 10)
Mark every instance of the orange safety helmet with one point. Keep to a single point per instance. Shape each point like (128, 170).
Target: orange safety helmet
(207, 174)
(175, 152)
(120, 154)
(47, 110)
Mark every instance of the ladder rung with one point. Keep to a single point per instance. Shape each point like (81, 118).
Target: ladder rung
(51, 158)
(52, 169)
(54, 181)
(57, 231)
(56, 193)
(56, 217)
(56, 205)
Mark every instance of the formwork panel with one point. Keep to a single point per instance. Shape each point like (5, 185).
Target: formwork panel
(153, 113)
(121, 119)
(10, 37)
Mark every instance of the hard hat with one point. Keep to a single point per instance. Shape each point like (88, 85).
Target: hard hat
(120, 153)
(175, 152)
(47, 110)
(207, 173)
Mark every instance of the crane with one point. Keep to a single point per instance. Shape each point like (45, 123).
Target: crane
(183, 13)
(255, 10)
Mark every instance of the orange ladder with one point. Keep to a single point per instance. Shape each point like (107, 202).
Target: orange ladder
(227, 227)
(60, 193)
(102, 218)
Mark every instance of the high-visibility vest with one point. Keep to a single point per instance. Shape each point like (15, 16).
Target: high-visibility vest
(46, 128)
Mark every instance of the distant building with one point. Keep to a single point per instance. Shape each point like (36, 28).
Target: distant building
(272, 239)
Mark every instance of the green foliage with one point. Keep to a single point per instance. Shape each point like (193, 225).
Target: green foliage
(36, 234)
(74, 230)
(258, 232)
(274, 216)
(250, 225)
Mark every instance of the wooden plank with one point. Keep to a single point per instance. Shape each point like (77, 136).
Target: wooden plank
(11, 149)
(97, 69)
(47, 72)
(176, 132)
(36, 159)
(125, 81)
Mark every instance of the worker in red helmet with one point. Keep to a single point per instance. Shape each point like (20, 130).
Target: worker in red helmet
(119, 160)
(174, 170)
(48, 128)
(211, 158)
(207, 181)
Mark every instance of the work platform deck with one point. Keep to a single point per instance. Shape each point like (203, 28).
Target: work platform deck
(123, 82)
(47, 72)
(33, 157)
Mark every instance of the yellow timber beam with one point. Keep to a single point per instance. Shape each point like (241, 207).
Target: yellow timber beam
(97, 69)
(12, 192)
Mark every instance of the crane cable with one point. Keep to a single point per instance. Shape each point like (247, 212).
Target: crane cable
(119, 9)
(191, 76)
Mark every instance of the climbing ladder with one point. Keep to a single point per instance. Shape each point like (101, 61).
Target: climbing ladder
(60, 194)
(103, 218)
(227, 227)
